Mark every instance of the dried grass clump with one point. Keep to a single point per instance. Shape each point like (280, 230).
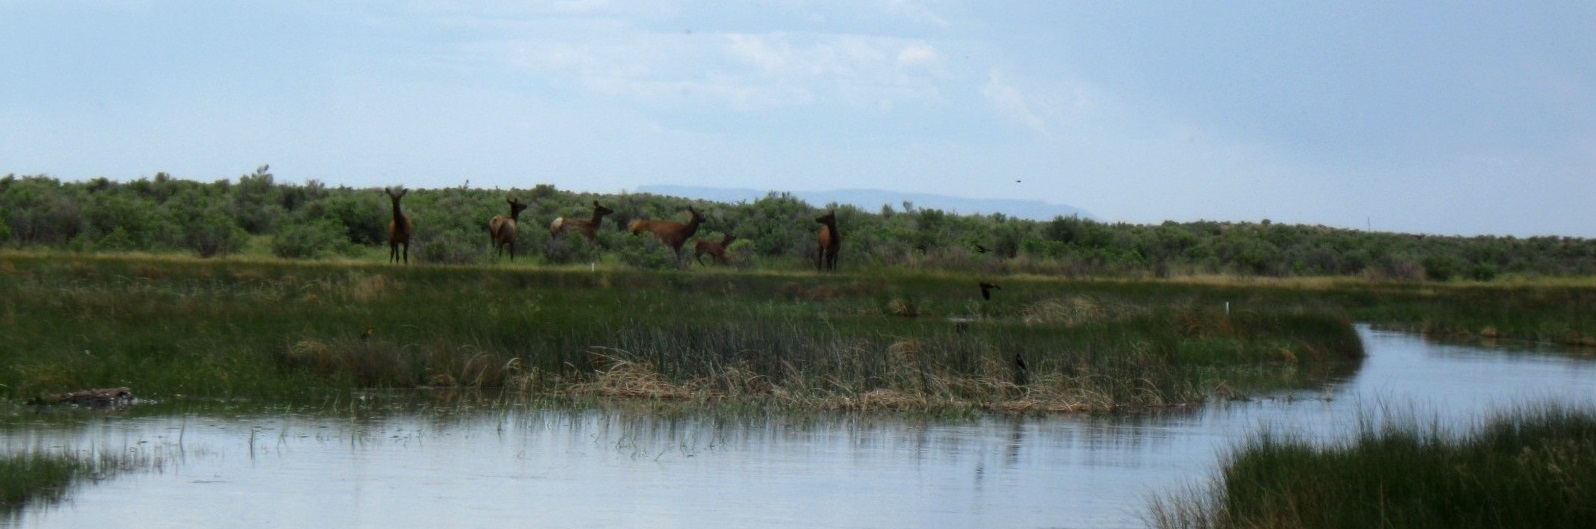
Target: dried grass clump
(902, 308)
(1079, 310)
(366, 288)
(633, 380)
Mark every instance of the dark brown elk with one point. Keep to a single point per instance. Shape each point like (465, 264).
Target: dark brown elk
(587, 227)
(673, 234)
(501, 229)
(716, 250)
(830, 241)
(399, 228)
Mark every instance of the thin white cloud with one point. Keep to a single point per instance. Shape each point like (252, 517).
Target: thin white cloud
(741, 71)
(918, 12)
(918, 54)
(1007, 99)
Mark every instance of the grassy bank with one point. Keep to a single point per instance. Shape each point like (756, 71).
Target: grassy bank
(1553, 311)
(171, 327)
(1534, 467)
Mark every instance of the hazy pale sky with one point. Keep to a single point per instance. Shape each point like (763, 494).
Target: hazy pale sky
(1446, 117)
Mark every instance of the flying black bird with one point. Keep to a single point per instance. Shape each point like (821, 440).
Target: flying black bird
(980, 249)
(986, 290)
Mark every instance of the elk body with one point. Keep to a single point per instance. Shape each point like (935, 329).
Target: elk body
(399, 228)
(501, 229)
(830, 241)
(587, 227)
(716, 250)
(673, 234)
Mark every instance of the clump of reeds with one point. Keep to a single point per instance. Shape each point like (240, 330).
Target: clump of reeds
(34, 475)
(1531, 467)
(386, 365)
(30, 475)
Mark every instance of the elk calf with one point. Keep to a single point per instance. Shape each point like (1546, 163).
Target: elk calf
(716, 250)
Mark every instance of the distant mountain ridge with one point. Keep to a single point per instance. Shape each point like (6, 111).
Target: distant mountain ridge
(872, 200)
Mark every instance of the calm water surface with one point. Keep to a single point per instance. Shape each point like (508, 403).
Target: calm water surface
(620, 468)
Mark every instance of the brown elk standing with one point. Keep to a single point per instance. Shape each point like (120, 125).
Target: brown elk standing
(587, 227)
(399, 227)
(830, 241)
(502, 228)
(673, 234)
(716, 250)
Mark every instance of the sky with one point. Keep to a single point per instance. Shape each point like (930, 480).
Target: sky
(1439, 117)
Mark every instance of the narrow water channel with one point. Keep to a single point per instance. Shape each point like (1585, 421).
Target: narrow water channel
(620, 468)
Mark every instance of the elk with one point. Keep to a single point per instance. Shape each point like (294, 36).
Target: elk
(501, 229)
(587, 227)
(399, 227)
(673, 234)
(830, 241)
(716, 250)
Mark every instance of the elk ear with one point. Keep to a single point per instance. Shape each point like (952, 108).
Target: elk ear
(595, 204)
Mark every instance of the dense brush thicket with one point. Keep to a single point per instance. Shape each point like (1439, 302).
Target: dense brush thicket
(309, 221)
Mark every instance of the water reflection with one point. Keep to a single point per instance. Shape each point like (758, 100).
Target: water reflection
(453, 463)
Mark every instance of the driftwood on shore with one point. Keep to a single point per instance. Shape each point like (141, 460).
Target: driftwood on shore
(89, 397)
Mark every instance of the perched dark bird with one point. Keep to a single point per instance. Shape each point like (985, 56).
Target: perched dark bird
(980, 249)
(986, 290)
(366, 334)
(1022, 373)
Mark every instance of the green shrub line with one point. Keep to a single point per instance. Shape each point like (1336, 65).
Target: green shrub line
(257, 215)
(1534, 466)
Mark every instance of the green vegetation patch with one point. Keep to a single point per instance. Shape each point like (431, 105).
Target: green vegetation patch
(47, 476)
(169, 327)
(1534, 467)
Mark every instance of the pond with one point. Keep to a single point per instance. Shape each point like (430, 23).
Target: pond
(640, 467)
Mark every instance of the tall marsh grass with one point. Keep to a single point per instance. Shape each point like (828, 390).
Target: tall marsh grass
(34, 476)
(170, 327)
(1530, 467)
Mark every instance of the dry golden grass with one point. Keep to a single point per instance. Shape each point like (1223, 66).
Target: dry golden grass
(994, 389)
(1075, 311)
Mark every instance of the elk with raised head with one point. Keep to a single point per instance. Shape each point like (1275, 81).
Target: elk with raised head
(673, 234)
(587, 227)
(501, 229)
(716, 250)
(830, 241)
(399, 227)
